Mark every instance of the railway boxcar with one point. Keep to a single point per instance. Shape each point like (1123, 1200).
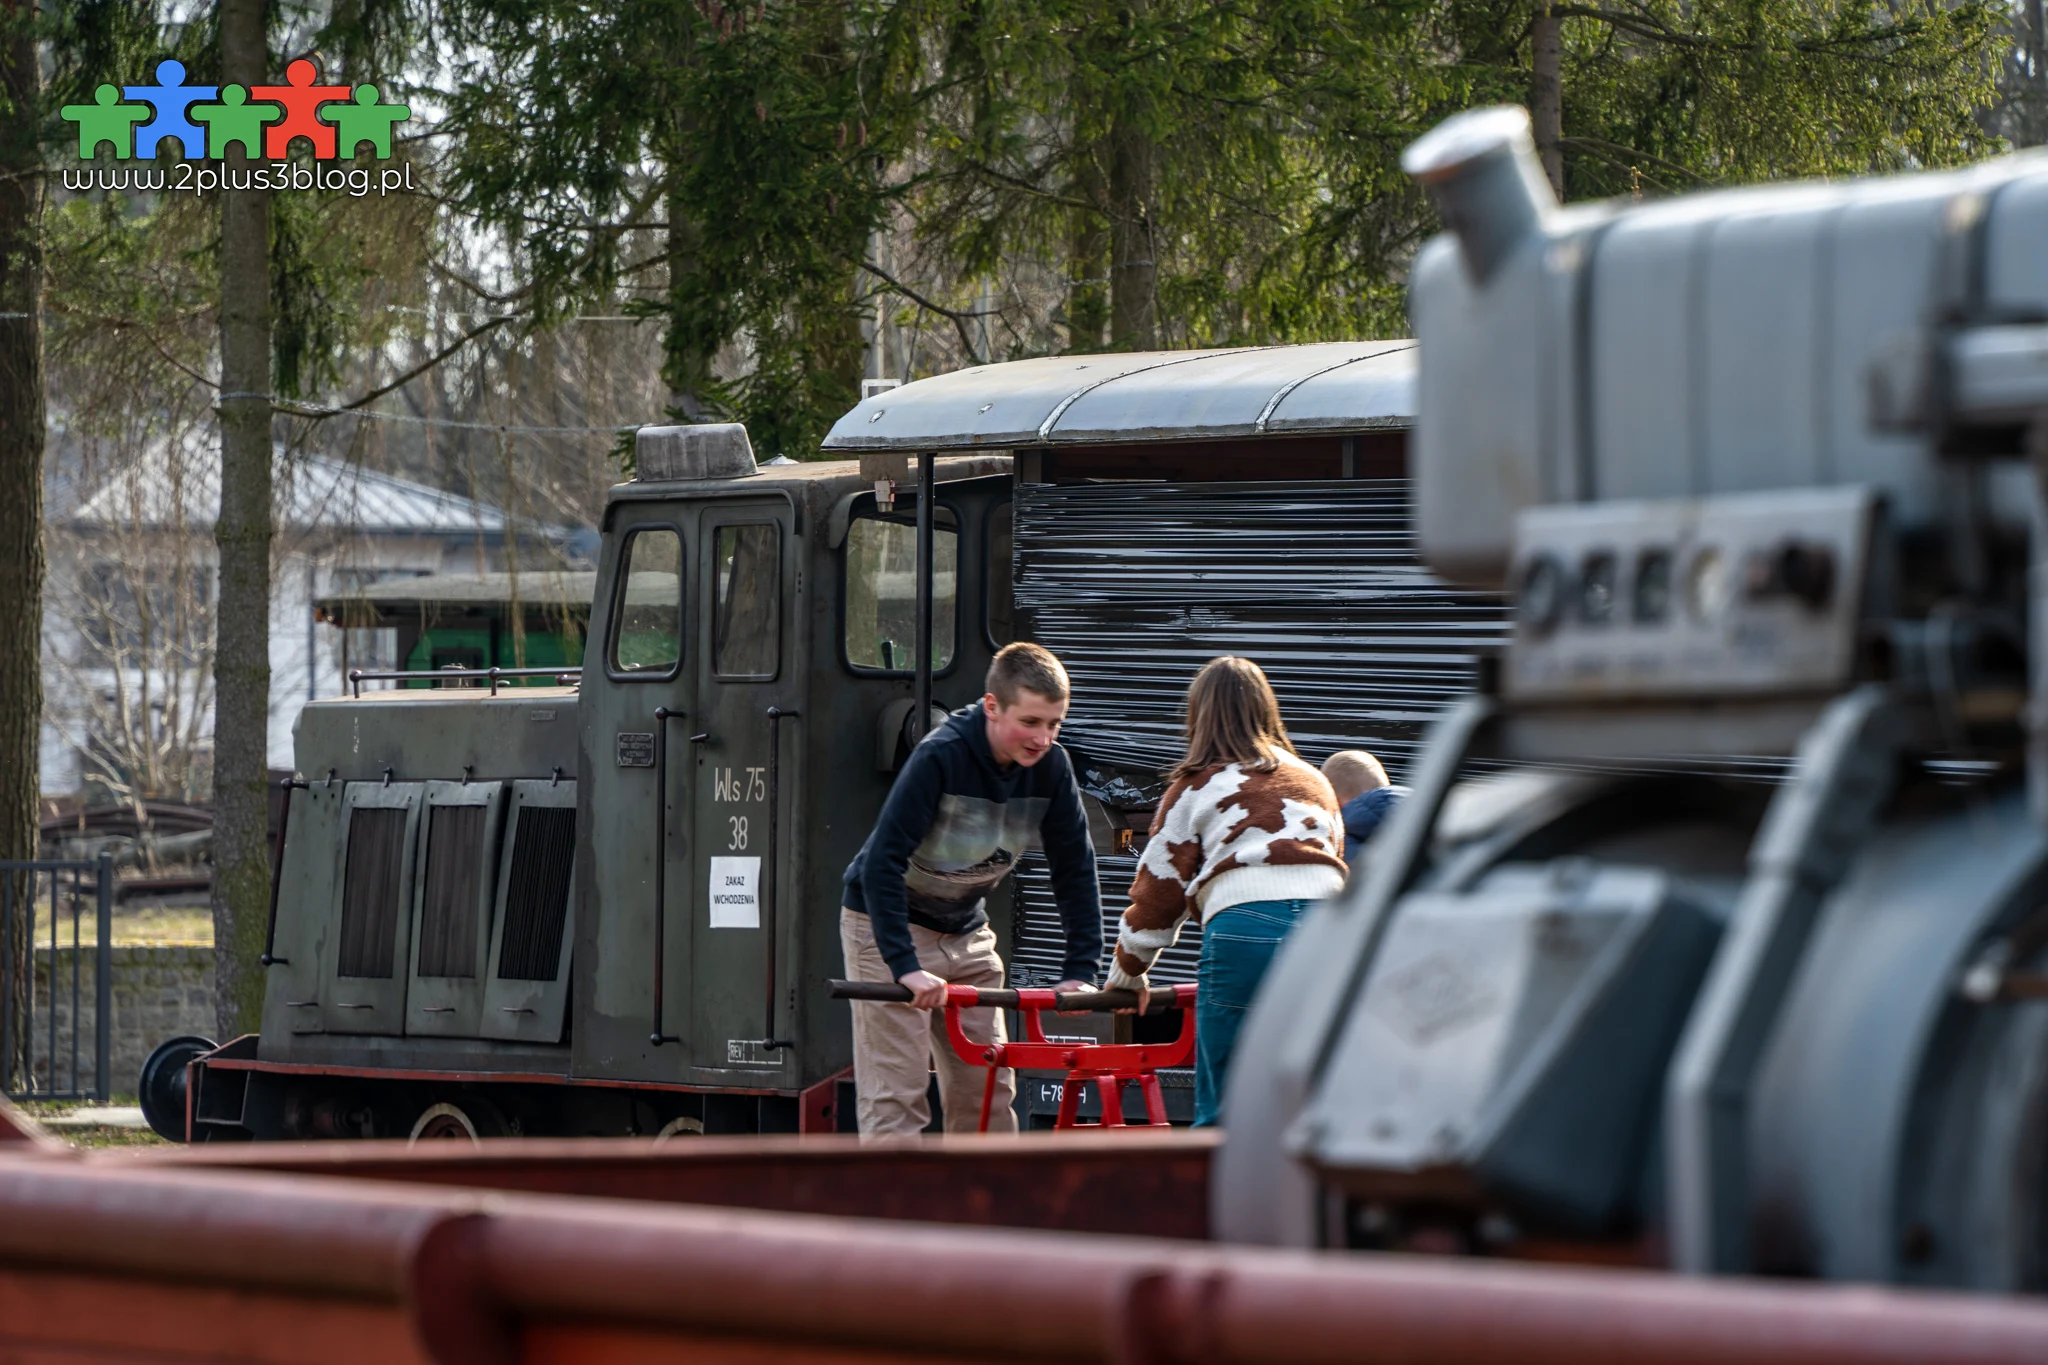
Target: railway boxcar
(1175, 506)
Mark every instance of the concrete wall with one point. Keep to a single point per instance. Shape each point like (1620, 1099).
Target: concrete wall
(159, 992)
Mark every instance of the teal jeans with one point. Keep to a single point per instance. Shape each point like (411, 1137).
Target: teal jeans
(1238, 944)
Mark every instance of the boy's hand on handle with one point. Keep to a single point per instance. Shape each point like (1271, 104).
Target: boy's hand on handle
(927, 992)
(1143, 987)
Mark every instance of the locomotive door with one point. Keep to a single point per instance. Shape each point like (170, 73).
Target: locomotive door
(740, 856)
(638, 705)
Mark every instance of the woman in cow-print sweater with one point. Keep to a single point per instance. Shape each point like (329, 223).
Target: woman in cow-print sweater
(1247, 837)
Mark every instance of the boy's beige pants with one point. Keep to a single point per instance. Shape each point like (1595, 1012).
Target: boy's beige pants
(897, 1047)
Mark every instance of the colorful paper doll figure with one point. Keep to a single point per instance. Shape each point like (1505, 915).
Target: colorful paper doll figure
(300, 100)
(366, 120)
(171, 97)
(234, 120)
(108, 120)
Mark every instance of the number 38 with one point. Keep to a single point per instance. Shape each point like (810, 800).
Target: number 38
(739, 831)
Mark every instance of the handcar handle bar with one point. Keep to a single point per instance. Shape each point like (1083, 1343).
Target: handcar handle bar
(1163, 998)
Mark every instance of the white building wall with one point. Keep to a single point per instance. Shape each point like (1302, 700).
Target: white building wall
(57, 760)
(291, 606)
(56, 756)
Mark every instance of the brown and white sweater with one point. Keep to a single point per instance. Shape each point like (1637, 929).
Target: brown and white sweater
(1227, 836)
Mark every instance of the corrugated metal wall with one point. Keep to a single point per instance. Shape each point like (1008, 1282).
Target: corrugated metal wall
(1137, 585)
(1035, 957)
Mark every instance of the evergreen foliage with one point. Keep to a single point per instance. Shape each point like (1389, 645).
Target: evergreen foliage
(1037, 176)
(752, 143)
(1186, 173)
(1674, 96)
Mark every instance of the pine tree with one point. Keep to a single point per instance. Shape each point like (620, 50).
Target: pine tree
(751, 140)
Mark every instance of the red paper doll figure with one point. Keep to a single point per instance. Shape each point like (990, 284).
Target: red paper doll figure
(300, 99)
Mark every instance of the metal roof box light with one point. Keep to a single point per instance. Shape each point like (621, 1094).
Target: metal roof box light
(717, 450)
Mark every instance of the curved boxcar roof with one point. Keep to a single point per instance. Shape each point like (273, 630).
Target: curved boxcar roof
(1327, 387)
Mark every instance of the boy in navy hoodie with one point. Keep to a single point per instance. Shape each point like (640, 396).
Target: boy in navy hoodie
(980, 791)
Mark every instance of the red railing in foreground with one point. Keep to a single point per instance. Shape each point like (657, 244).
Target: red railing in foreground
(105, 1260)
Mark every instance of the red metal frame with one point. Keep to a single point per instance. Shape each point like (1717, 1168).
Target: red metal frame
(815, 1103)
(393, 1073)
(1087, 1180)
(818, 1106)
(1110, 1066)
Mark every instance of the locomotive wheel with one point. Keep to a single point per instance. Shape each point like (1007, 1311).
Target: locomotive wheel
(683, 1127)
(468, 1122)
(162, 1086)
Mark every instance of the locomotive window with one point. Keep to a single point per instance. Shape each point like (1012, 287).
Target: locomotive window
(1002, 525)
(746, 614)
(647, 616)
(881, 592)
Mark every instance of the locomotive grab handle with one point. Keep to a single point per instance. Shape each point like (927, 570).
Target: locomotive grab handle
(776, 715)
(284, 825)
(662, 716)
(1162, 999)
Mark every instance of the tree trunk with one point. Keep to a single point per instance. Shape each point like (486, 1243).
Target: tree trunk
(686, 369)
(841, 345)
(1133, 270)
(21, 481)
(243, 532)
(1546, 92)
(685, 365)
(1088, 259)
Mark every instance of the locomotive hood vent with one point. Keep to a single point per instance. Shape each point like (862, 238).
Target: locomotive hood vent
(714, 450)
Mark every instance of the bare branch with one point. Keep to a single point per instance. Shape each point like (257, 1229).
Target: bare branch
(960, 319)
(321, 414)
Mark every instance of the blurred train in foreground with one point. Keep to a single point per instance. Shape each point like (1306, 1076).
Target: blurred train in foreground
(1762, 472)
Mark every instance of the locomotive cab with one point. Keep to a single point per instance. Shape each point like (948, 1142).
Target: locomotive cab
(751, 659)
(608, 904)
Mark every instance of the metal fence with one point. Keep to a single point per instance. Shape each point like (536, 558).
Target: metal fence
(54, 1011)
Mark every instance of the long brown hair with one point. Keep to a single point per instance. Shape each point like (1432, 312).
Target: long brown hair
(1233, 717)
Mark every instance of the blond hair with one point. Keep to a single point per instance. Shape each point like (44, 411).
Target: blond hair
(1026, 667)
(1233, 717)
(1352, 773)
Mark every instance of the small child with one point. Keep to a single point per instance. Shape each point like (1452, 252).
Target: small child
(1364, 796)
